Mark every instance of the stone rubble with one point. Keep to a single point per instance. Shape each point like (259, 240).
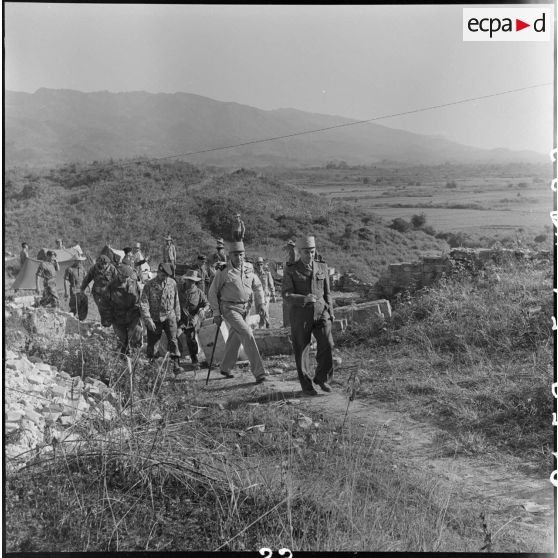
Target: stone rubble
(42, 402)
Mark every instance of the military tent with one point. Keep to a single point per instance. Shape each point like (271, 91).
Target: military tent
(114, 254)
(25, 279)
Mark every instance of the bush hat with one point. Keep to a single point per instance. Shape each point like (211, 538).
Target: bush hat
(236, 247)
(192, 274)
(308, 241)
(165, 268)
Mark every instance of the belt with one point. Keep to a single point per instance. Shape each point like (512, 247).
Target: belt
(235, 301)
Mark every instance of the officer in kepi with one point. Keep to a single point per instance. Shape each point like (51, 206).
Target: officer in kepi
(306, 289)
(231, 294)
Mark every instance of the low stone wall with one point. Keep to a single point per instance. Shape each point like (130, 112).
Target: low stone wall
(364, 312)
(413, 275)
(276, 341)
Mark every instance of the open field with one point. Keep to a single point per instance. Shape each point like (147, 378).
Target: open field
(453, 198)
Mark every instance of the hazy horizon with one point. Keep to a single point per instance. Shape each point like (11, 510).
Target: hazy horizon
(358, 62)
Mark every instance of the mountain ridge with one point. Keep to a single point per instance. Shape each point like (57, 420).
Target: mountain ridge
(58, 126)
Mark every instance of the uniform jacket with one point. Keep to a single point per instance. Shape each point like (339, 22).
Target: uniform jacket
(191, 301)
(298, 279)
(47, 271)
(267, 282)
(159, 300)
(124, 298)
(169, 253)
(235, 286)
(101, 278)
(74, 275)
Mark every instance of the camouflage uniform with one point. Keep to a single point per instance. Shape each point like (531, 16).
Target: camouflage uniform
(310, 319)
(159, 302)
(79, 304)
(101, 279)
(47, 271)
(193, 303)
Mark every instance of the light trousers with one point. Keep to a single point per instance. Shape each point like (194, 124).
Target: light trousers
(240, 333)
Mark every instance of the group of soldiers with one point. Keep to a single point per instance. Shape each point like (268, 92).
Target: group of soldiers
(224, 287)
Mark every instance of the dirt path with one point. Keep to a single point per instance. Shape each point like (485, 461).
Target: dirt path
(518, 506)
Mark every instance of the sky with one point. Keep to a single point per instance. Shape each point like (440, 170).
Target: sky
(360, 62)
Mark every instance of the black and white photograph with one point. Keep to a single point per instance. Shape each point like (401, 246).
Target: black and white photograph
(279, 278)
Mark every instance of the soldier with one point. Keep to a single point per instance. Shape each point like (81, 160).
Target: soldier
(124, 296)
(206, 273)
(238, 229)
(230, 297)
(102, 273)
(269, 290)
(169, 253)
(59, 244)
(219, 257)
(24, 254)
(160, 310)
(306, 288)
(47, 270)
(136, 253)
(290, 249)
(73, 278)
(128, 258)
(291, 258)
(193, 304)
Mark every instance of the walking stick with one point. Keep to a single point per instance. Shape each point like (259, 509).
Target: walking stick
(212, 353)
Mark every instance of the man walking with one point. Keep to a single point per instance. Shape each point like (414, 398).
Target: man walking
(124, 296)
(160, 310)
(193, 304)
(230, 297)
(206, 274)
(291, 258)
(102, 273)
(219, 257)
(47, 271)
(268, 288)
(73, 278)
(306, 288)
(169, 253)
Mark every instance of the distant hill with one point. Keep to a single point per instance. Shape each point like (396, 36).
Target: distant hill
(142, 201)
(59, 126)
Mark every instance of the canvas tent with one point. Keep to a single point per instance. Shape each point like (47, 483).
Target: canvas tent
(25, 279)
(116, 256)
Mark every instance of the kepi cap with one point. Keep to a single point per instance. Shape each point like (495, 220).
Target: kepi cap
(236, 246)
(308, 241)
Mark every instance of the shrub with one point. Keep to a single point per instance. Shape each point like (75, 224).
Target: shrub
(451, 184)
(399, 224)
(540, 238)
(418, 221)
